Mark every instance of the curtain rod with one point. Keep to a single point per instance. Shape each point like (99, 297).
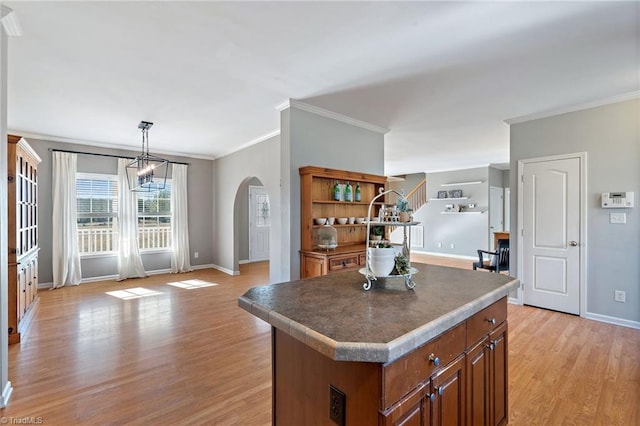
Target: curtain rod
(105, 155)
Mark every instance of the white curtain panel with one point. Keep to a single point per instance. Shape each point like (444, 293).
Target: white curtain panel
(129, 260)
(180, 261)
(66, 256)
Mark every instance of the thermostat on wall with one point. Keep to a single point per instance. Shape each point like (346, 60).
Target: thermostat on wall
(617, 200)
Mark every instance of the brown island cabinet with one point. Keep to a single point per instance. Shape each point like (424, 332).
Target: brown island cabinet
(435, 355)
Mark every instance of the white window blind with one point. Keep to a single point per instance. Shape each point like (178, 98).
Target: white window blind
(97, 196)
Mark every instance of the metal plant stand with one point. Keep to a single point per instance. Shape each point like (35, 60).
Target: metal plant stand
(389, 221)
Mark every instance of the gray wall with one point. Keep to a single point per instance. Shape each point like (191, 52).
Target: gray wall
(312, 140)
(410, 181)
(506, 176)
(495, 177)
(467, 233)
(231, 173)
(243, 217)
(610, 135)
(200, 200)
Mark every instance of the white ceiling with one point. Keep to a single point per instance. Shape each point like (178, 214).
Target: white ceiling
(442, 76)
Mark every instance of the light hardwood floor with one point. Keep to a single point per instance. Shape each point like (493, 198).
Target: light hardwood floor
(191, 356)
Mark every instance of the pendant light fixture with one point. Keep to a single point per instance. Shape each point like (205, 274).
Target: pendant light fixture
(146, 172)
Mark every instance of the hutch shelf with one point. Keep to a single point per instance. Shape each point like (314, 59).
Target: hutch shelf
(317, 191)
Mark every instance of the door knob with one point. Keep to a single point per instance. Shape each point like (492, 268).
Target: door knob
(573, 243)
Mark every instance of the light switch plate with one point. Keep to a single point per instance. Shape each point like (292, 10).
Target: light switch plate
(617, 218)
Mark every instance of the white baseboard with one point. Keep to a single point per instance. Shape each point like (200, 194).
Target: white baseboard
(225, 270)
(246, 261)
(6, 394)
(612, 320)
(48, 285)
(205, 266)
(455, 256)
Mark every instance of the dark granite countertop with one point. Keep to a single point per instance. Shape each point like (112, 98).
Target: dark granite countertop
(335, 316)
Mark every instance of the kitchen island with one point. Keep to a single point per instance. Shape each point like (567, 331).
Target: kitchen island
(389, 356)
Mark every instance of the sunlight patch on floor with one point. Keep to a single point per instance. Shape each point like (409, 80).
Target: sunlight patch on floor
(133, 293)
(191, 284)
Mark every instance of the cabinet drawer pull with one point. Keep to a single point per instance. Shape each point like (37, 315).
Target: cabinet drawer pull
(492, 321)
(434, 359)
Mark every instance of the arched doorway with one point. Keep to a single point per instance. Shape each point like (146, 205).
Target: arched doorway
(251, 222)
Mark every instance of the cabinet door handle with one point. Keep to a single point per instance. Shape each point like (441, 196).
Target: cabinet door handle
(491, 321)
(432, 397)
(440, 390)
(490, 346)
(434, 359)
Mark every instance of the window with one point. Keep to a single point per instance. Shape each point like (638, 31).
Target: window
(97, 201)
(154, 219)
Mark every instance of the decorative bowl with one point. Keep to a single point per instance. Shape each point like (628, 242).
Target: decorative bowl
(342, 220)
(320, 220)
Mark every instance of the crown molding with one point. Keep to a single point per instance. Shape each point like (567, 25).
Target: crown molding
(10, 21)
(558, 111)
(28, 135)
(292, 103)
(251, 142)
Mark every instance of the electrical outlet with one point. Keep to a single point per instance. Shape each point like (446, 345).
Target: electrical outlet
(453, 245)
(619, 296)
(196, 255)
(337, 405)
(439, 245)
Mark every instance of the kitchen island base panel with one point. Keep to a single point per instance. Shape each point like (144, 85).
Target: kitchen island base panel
(444, 381)
(302, 379)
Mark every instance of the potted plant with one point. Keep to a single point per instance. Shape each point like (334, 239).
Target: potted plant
(381, 258)
(401, 265)
(377, 232)
(402, 206)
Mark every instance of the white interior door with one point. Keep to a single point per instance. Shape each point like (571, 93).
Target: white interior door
(259, 223)
(496, 212)
(551, 243)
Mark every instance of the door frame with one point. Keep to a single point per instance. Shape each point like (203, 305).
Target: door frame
(251, 224)
(582, 159)
(492, 208)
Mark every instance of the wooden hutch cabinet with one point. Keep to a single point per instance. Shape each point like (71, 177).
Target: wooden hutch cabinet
(22, 201)
(317, 201)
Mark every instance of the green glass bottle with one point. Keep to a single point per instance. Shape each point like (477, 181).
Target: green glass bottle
(336, 191)
(358, 195)
(348, 192)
